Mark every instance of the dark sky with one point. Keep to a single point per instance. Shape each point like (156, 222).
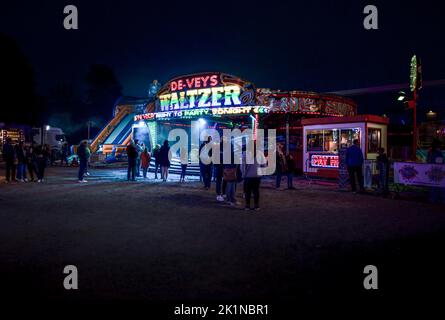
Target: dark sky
(302, 45)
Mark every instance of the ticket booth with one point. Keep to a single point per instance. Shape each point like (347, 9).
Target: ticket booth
(324, 137)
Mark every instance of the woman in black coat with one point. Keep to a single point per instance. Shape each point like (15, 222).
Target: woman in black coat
(164, 160)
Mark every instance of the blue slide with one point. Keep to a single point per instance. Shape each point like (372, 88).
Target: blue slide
(121, 132)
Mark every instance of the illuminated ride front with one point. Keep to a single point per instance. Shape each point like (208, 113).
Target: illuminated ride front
(223, 101)
(219, 101)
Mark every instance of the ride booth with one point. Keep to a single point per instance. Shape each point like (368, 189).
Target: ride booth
(325, 141)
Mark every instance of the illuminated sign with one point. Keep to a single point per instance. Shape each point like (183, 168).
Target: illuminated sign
(200, 112)
(201, 98)
(145, 116)
(196, 82)
(16, 135)
(206, 90)
(324, 161)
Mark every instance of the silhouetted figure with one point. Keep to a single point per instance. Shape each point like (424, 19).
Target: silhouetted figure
(184, 162)
(157, 159)
(131, 156)
(145, 162)
(9, 156)
(83, 152)
(21, 161)
(206, 169)
(281, 166)
(383, 168)
(65, 150)
(164, 160)
(354, 163)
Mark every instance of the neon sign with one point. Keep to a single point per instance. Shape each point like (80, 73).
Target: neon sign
(206, 90)
(199, 112)
(201, 98)
(324, 161)
(194, 82)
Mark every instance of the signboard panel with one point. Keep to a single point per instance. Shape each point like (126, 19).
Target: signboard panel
(199, 112)
(420, 174)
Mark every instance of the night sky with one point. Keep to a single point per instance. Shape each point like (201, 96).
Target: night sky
(302, 45)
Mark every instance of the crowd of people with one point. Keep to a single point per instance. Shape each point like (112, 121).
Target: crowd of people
(227, 176)
(23, 161)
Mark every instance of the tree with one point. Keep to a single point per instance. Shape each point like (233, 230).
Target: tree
(19, 103)
(103, 90)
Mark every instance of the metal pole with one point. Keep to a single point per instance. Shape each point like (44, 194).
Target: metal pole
(415, 125)
(287, 134)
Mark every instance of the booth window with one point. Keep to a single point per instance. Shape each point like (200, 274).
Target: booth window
(348, 136)
(315, 140)
(374, 140)
(322, 140)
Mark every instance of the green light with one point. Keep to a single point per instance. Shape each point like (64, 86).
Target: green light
(152, 127)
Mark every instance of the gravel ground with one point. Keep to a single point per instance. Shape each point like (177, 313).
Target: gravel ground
(156, 241)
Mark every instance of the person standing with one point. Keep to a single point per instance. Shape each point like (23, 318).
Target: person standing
(9, 157)
(145, 162)
(230, 171)
(157, 159)
(206, 169)
(184, 162)
(290, 167)
(41, 162)
(164, 155)
(47, 155)
(219, 172)
(21, 161)
(131, 156)
(64, 154)
(252, 180)
(83, 152)
(281, 166)
(139, 149)
(354, 163)
(435, 156)
(383, 168)
(31, 162)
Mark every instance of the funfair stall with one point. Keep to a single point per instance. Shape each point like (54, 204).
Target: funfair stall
(324, 138)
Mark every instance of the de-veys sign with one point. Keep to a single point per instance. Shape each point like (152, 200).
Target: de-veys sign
(205, 90)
